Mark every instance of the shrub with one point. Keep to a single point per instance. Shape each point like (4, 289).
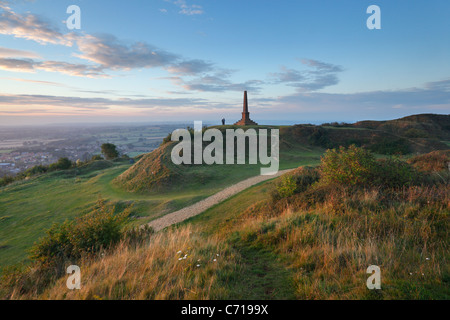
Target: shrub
(319, 137)
(349, 167)
(287, 187)
(358, 167)
(96, 158)
(87, 234)
(61, 164)
(394, 173)
(297, 182)
(39, 169)
(6, 180)
(167, 139)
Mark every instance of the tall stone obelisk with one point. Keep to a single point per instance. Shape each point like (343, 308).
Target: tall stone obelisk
(245, 121)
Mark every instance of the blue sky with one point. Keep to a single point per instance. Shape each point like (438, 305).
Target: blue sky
(184, 60)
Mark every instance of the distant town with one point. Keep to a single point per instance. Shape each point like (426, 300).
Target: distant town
(22, 148)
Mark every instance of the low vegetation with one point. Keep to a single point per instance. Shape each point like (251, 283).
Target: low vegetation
(72, 242)
(313, 239)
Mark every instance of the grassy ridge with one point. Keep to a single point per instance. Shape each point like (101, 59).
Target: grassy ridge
(315, 244)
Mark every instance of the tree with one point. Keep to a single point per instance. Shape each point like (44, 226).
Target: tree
(109, 150)
(62, 164)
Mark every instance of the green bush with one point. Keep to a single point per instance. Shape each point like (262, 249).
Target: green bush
(394, 173)
(87, 234)
(305, 178)
(349, 167)
(298, 182)
(6, 180)
(287, 187)
(319, 137)
(358, 167)
(96, 158)
(39, 169)
(61, 164)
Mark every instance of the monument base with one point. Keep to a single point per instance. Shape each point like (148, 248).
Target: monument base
(245, 121)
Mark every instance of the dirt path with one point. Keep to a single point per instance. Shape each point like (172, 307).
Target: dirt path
(199, 207)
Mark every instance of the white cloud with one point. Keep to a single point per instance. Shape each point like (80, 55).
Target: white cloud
(29, 65)
(13, 53)
(188, 9)
(31, 27)
(319, 76)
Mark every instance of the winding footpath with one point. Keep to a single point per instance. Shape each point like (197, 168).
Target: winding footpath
(202, 206)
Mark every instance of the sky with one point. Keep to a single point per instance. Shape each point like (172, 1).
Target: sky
(301, 61)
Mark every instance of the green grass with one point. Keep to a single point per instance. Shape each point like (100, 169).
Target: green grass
(261, 274)
(312, 252)
(320, 251)
(28, 208)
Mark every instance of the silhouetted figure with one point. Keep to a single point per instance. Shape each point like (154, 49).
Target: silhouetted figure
(223, 121)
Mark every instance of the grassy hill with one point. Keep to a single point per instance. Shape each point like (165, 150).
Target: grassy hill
(155, 172)
(428, 126)
(313, 244)
(299, 145)
(154, 187)
(28, 208)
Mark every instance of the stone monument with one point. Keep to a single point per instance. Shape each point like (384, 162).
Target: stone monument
(245, 121)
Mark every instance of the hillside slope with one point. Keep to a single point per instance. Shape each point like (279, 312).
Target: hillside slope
(154, 169)
(299, 145)
(314, 244)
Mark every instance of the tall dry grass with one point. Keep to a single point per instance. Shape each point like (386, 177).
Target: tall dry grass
(176, 264)
(329, 245)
